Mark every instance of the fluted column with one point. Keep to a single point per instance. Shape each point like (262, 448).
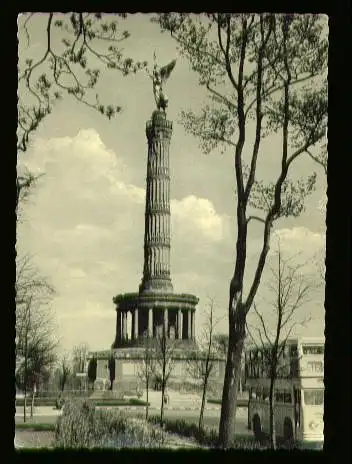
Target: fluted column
(125, 333)
(179, 324)
(166, 322)
(156, 271)
(135, 324)
(189, 328)
(122, 325)
(118, 326)
(193, 325)
(150, 322)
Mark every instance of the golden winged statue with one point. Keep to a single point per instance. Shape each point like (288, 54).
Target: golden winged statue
(159, 77)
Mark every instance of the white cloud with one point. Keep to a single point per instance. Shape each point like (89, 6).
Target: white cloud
(298, 235)
(292, 240)
(191, 212)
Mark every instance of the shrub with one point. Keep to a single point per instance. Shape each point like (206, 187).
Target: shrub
(59, 402)
(80, 426)
(206, 437)
(213, 401)
(137, 402)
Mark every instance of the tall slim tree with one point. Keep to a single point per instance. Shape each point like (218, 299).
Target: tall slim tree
(221, 344)
(35, 346)
(164, 364)
(268, 73)
(289, 289)
(65, 371)
(146, 369)
(79, 358)
(201, 364)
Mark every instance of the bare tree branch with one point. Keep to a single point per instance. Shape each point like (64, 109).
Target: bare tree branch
(256, 218)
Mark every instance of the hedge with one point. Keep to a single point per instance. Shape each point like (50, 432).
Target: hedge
(81, 426)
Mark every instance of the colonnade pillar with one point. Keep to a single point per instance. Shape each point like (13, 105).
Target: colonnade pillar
(189, 325)
(135, 323)
(193, 325)
(118, 326)
(150, 322)
(166, 322)
(179, 324)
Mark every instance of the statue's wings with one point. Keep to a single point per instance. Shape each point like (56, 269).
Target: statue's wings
(165, 71)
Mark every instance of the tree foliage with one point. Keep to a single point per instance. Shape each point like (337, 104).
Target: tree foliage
(64, 371)
(77, 44)
(79, 357)
(36, 345)
(266, 72)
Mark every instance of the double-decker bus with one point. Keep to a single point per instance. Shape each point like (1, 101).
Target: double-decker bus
(298, 394)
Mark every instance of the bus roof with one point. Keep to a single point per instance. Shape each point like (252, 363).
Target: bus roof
(292, 341)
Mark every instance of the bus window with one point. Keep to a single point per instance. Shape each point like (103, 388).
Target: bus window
(313, 349)
(315, 366)
(313, 397)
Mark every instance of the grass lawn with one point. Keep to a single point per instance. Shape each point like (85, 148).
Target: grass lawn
(104, 402)
(35, 426)
(241, 403)
(126, 402)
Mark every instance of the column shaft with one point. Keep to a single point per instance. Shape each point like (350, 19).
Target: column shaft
(150, 322)
(122, 325)
(189, 328)
(179, 325)
(135, 318)
(166, 322)
(118, 326)
(125, 325)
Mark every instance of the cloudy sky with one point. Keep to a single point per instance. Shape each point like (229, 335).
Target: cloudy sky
(84, 223)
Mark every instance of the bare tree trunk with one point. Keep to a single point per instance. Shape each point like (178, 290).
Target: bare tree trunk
(25, 378)
(205, 384)
(230, 389)
(271, 416)
(25, 404)
(162, 403)
(147, 405)
(32, 402)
